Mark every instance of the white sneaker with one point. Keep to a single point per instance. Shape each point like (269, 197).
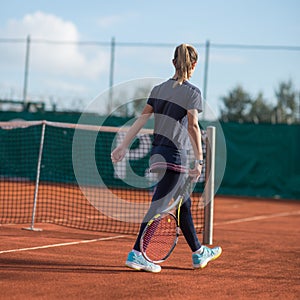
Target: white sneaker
(207, 255)
(138, 262)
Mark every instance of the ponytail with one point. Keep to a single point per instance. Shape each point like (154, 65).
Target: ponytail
(184, 57)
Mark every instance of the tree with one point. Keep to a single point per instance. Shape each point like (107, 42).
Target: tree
(128, 103)
(286, 108)
(260, 111)
(140, 99)
(236, 105)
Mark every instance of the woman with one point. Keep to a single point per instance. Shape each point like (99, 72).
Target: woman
(175, 104)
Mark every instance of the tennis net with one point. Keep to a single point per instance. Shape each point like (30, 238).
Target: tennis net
(62, 174)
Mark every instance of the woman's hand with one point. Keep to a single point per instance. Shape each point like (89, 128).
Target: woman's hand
(195, 173)
(118, 154)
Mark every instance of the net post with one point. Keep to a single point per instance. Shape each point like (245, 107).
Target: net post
(37, 181)
(209, 186)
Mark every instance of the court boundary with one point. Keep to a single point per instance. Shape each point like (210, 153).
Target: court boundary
(234, 221)
(62, 244)
(258, 218)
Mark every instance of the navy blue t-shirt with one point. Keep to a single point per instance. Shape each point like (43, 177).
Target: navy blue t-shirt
(170, 102)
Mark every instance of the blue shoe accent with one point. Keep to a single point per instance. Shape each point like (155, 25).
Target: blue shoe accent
(138, 262)
(208, 254)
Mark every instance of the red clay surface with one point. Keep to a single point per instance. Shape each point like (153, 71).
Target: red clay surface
(260, 260)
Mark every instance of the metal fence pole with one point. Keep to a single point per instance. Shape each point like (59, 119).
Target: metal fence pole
(205, 76)
(26, 71)
(111, 73)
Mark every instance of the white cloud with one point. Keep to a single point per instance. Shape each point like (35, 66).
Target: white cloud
(53, 59)
(43, 25)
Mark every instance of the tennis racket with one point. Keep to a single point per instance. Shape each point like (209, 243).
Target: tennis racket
(160, 235)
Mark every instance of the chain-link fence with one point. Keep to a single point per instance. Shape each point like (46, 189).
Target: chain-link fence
(66, 75)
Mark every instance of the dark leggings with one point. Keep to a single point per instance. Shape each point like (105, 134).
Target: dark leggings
(164, 192)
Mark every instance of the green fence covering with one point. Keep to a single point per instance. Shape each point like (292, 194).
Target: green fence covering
(262, 160)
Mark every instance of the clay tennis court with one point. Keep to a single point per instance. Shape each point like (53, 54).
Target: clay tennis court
(260, 260)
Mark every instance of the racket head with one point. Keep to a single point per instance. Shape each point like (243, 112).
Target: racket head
(159, 237)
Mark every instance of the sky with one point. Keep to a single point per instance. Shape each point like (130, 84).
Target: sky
(72, 75)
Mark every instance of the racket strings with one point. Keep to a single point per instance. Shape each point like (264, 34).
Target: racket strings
(159, 237)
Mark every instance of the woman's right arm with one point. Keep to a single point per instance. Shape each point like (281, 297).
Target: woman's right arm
(195, 138)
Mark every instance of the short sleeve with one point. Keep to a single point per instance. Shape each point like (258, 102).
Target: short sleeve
(151, 98)
(195, 101)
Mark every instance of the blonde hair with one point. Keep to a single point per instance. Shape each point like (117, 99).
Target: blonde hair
(184, 57)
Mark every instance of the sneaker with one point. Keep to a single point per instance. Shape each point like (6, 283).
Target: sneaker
(208, 254)
(138, 262)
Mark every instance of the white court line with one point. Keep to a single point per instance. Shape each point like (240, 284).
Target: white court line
(63, 244)
(256, 218)
(243, 220)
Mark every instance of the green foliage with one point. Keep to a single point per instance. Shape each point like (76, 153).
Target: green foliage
(261, 111)
(286, 109)
(127, 104)
(239, 106)
(236, 105)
